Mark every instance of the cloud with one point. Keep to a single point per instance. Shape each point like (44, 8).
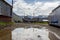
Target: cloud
(38, 8)
(48, 0)
(48, 7)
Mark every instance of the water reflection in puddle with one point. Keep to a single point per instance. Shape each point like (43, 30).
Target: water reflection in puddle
(30, 34)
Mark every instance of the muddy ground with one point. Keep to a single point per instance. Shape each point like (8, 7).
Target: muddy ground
(54, 32)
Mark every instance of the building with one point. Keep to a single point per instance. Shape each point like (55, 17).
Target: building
(26, 19)
(5, 11)
(54, 17)
(17, 18)
(40, 18)
(43, 18)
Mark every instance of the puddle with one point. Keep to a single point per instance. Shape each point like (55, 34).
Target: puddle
(30, 34)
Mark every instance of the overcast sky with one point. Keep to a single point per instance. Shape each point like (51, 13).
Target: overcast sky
(38, 7)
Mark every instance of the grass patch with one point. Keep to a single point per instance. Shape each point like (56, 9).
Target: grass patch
(40, 22)
(6, 23)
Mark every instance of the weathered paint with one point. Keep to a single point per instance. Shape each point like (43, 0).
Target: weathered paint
(5, 11)
(5, 18)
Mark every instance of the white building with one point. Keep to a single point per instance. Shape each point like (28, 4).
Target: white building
(54, 17)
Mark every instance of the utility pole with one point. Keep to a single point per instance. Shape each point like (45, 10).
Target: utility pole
(35, 10)
(12, 5)
(12, 2)
(12, 8)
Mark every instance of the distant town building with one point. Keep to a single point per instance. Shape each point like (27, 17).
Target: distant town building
(26, 19)
(43, 18)
(5, 11)
(40, 18)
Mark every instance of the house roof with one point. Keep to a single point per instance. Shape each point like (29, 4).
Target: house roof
(56, 8)
(6, 3)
